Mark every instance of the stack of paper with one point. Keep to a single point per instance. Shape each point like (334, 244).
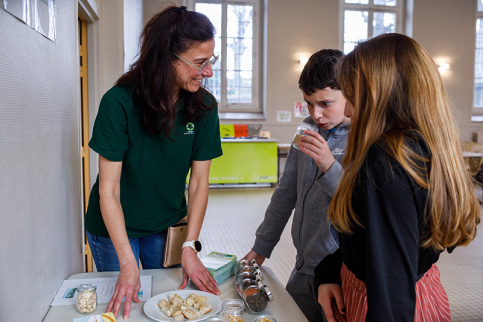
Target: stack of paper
(221, 266)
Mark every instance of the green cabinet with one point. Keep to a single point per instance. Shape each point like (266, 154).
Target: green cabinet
(245, 161)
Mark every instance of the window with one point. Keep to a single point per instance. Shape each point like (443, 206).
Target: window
(236, 81)
(478, 85)
(364, 19)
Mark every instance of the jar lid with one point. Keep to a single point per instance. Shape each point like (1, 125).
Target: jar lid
(259, 274)
(268, 292)
(254, 262)
(86, 287)
(233, 305)
(265, 318)
(217, 318)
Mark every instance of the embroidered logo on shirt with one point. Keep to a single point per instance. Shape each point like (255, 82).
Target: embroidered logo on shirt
(338, 151)
(190, 128)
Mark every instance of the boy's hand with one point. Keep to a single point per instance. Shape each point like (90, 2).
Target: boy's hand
(315, 146)
(257, 257)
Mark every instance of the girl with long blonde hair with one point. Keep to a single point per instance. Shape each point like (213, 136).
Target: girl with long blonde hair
(406, 194)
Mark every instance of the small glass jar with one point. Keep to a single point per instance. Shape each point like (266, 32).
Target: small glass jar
(244, 284)
(264, 318)
(217, 318)
(243, 262)
(246, 268)
(240, 264)
(245, 275)
(86, 299)
(299, 133)
(249, 269)
(257, 297)
(233, 310)
(246, 262)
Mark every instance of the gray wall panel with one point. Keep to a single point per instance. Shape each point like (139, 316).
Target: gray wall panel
(40, 190)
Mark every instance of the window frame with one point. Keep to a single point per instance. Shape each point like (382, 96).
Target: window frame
(477, 111)
(253, 110)
(399, 9)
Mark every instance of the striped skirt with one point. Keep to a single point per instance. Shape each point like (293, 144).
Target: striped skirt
(431, 300)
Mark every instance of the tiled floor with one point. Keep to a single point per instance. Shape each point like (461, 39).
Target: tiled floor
(233, 215)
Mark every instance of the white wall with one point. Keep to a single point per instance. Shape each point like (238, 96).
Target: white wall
(40, 190)
(111, 42)
(443, 27)
(446, 29)
(294, 27)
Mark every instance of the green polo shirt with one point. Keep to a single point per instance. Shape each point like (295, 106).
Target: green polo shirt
(154, 169)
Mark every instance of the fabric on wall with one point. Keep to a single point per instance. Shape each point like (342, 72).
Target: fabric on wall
(40, 190)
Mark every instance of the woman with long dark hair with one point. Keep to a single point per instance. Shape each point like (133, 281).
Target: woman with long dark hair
(155, 125)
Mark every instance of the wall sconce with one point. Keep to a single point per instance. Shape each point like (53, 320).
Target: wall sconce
(442, 67)
(303, 60)
(299, 60)
(443, 64)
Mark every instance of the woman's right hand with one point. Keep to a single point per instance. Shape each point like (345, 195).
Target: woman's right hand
(127, 288)
(257, 257)
(327, 293)
(128, 282)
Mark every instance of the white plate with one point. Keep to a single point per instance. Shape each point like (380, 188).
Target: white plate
(152, 309)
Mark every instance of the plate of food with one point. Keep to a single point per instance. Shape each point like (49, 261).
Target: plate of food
(182, 305)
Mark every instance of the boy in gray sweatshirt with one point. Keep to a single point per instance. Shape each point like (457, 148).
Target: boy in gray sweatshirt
(310, 179)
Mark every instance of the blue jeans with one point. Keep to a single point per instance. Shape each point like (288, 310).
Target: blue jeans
(148, 249)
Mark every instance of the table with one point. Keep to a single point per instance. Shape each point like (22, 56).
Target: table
(283, 308)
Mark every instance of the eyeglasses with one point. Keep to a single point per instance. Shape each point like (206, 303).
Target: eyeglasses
(201, 68)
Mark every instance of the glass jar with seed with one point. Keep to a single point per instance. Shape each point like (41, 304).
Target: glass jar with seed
(244, 284)
(233, 310)
(257, 297)
(217, 318)
(254, 276)
(86, 299)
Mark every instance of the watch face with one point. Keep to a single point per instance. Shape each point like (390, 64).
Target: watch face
(197, 246)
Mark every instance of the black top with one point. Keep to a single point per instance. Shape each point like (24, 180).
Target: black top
(385, 254)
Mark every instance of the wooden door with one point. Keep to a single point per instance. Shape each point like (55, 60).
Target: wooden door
(85, 124)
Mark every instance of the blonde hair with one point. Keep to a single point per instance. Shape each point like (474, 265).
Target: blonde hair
(395, 87)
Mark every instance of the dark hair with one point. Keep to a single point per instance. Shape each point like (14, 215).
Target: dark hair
(319, 72)
(152, 76)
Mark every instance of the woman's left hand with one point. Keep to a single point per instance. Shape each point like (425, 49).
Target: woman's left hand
(316, 147)
(195, 270)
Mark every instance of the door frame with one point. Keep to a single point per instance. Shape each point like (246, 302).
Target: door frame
(89, 98)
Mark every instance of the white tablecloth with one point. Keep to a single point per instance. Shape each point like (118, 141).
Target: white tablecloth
(283, 308)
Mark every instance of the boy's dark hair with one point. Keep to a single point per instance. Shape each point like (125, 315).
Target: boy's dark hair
(319, 72)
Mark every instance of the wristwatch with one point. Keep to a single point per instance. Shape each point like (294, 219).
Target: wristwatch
(195, 244)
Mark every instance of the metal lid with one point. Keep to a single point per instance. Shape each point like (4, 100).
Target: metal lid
(268, 292)
(86, 287)
(254, 262)
(264, 318)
